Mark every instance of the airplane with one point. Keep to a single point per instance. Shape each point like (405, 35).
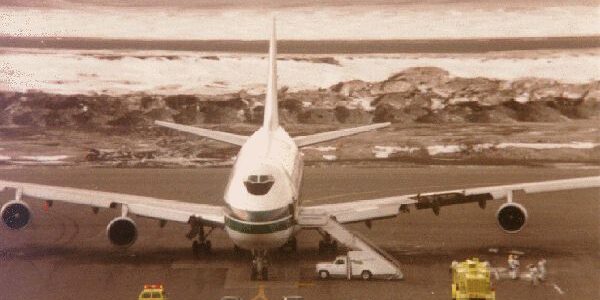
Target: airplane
(263, 209)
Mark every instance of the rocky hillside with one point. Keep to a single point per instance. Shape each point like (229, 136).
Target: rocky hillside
(417, 95)
(437, 119)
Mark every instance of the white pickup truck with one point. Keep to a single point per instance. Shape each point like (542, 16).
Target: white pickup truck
(362, 265)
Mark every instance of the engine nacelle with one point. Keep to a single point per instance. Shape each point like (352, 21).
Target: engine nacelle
(122, 232)
(511, 217)
(16, 214)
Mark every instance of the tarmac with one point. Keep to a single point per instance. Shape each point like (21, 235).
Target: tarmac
(64, 253)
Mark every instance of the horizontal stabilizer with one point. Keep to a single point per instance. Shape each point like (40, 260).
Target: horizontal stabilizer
(211, 134)
(302, 141)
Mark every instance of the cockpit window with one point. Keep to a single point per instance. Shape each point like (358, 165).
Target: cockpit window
(259, 184)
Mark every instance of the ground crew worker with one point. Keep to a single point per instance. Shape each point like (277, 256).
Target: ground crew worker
(542, 269)
(535, 274)
(513, 266)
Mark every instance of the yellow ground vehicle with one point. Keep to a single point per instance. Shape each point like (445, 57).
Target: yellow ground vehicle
(471, 280)
(153, 291)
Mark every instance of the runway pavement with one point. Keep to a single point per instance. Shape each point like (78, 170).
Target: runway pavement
(65, 254)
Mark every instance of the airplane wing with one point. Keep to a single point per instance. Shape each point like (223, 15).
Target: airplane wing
(308, 140)
(167, 210)
(226, 137)
(373, 209)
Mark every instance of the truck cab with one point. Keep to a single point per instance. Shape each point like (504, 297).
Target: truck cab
(153, 292)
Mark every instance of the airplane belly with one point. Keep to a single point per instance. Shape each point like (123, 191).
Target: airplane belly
(265, 241)
(264, 235)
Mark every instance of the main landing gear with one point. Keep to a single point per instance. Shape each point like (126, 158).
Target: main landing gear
(201, 245)
(327, 245)
(260, 266)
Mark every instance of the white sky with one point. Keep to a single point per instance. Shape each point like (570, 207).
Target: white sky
(352, 22)
(292, 3)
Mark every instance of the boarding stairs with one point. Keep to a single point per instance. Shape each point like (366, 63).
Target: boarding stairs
(350, 239)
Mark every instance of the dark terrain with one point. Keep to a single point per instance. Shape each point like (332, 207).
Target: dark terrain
(471, 45)
(427, 107)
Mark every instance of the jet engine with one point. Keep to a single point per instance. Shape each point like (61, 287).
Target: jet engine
(512, 217)
(16, 214)
(122, 232)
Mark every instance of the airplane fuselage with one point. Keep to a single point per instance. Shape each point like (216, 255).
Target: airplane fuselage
(263, 190)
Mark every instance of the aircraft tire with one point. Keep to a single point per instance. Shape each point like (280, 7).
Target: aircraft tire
(207, 246)
(265, 274)
(294, 245)
(196, 249)
(366, 275)
(253, 274)
(237, 250)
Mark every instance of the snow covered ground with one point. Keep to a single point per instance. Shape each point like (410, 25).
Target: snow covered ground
(542, 146)
(49, 160)
(386, 151)
(44, 158)
(320, 148)
(181, 72)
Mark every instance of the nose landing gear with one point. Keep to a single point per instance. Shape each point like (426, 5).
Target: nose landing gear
(259, 265)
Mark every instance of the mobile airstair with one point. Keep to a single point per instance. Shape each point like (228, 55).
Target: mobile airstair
(350, 239)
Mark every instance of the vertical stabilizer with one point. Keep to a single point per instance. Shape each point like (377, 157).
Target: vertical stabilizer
(271, 115)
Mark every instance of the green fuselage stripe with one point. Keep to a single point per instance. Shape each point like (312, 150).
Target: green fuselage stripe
(258, 228)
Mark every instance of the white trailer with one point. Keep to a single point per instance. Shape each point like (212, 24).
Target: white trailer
(358, 264)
